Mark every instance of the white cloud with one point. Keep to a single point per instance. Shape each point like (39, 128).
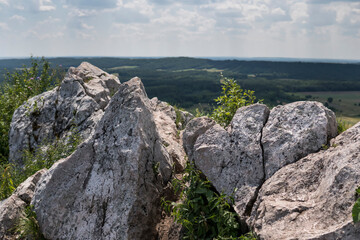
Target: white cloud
(17, 18)
(44, 36)
(278, 11)
(74, 12)
(197, 27)
(83, 35)
(49, 28)
(5, 2)
(19, 7)
(4, 26)
(88, 27)
(46, 5)
(299, 11)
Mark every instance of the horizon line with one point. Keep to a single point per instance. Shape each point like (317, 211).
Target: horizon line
(282, 59)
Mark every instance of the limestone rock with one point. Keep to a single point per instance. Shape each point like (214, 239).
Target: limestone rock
(168, 229)
(312, 198)
(232, 159)
(193, 130)
(295, 130)
(165, 120)
(12, 208)
(80, 100)
(110, 187)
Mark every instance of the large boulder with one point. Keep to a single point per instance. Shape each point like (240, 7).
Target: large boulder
(312, 198)
(256, 144)
(293, 131)
(110, 187)
(79, 101)
(231, 159)
(12, 208)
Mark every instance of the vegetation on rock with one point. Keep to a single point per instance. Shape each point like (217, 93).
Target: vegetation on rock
(44, 157)
(356, 207)
(28, 227)
(204, 213)
(233, 97)
(18, 87)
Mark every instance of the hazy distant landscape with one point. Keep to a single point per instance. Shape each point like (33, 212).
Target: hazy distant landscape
(194, 82)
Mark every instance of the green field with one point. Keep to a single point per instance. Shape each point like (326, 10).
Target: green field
(345, 104)
(121, 67)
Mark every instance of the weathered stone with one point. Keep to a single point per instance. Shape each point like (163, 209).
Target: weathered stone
(25, 190)
(80, 101)
(168, 229)
(313, 197)
(165, 120)
(195, 128)
(295, 130)
(110, 187)
(12, 208)
(232, 159)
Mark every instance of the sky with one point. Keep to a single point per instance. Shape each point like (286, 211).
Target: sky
(327, 29)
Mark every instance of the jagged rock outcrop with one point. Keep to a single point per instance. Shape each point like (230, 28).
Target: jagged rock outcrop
(110, 187)
(255, 145)
(293, 131)
(231, 159)
(312, 198)
(165, 120)
(12, 208)
(79, 100)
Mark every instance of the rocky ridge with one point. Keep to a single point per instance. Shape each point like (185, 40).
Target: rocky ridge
(114, 181)
(286, 187)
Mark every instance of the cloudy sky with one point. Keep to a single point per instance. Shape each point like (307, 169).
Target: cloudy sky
(240, 28)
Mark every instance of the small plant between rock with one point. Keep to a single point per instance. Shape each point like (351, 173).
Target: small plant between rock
(342, 126)
(44, 157)
(203, 213)
(356, 207)
(28, 227)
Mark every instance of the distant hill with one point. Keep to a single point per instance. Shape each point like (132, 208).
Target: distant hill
(189, 81)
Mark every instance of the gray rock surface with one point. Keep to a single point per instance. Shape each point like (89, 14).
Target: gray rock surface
(110, 187)
(80, 100)
(295, 130)
(12, 208)
(165, 120)
(195, 128)
(232, 159)
(312, 198)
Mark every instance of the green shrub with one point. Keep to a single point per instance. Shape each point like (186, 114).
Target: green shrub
(232, 98)
(7, 185)
(28, 227)
(18, 87)
(44, 157)
(342, 126)
(356, 208)
(179, 121)
(203, 213)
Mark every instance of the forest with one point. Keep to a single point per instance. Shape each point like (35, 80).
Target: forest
(195, 82)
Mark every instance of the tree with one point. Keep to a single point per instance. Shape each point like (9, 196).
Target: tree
(232, 98)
